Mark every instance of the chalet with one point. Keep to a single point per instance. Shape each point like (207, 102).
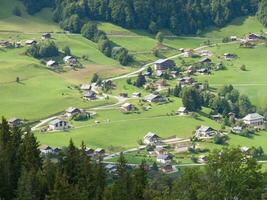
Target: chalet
(100, 152)
(205, 60)
(89, 152)
(236, 129)
(14, 122)
(202, 159)
(56, 150)
(123, 94)
(89, 95)
(246, 44)
(166, 168)
(164, 64)
(127, 107)
(190, 70)
(185, 81)
(233, 38)
(70, 60)
(151, 138)
(71, 111)
(30, 42)
(46, 36)
(51, 64)
(254, 120)
(161, 83)
(182, 111)
(160, 150)
(203, 71)
(153, 98)
(45, 150)
(58, 124)
(181, 50)
(5, 43)
(216, 117)
(17, 44)
(159, 73)
(148, 74)
(136, 95)
(85, 87)
(254, 36)
(174, 74)
(205, 131)
(111, 168)
(244, 149)
(229, 56)
(164, 158)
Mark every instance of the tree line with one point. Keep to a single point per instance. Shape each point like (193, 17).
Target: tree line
(179, 16)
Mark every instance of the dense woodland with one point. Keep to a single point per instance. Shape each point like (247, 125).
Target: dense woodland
(25, 175)
(179, 16)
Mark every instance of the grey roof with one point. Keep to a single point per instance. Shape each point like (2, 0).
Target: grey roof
(204, 59)
(14, 119)
(89, 94)
(204, 128)
(253, 116)
(163, 157)
(160, 61)
(71, 109)
(182, 109)
(150, 135)
(151, 97)
(55, 121)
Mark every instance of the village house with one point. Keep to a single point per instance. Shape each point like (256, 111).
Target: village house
(30, 42)
(182, 111)
(202, 159)
(17, 44)
(46, 36)
(254, 36)
(85, 87)
(14, 122)
(111, 168)
(160, 84)
(151, 138)
(166, 168)
(164, 158)
(205, 61)
(246, 44)
(254, 120)
(229, 56)
(89, 95)
(190, 70)
(72, 111)
(185, 81)
(203, 71)
(153, 98)
(159, 73)
(233, 38)
(45, 150)
(164, 64)
(52, 64)
(216, 117)
(127, 107)
(205, 131)
(136, 95)
(89, 152)
(70, 60)
(58, 124)
(100, 152)
(5, 44)
(174, 74)
(160, 150)
(123, 94)
(236, 129)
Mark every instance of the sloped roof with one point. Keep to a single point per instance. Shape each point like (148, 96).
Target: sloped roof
(253, 116)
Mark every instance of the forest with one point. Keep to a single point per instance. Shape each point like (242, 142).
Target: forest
(179, 16)
(26, 175)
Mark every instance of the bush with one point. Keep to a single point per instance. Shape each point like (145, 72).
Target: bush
(16, 11)
(43, 50)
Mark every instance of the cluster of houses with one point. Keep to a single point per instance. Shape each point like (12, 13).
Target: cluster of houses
(68, 60)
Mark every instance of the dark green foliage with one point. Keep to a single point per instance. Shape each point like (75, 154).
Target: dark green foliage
(67, 51)
(191, 99)
(105, 47)
(16, 11)
(120, 54)
(90, 31)
(221, 139)
(141, 80)
(34, 6)
(262, 12)
(43, 49)
(72, 24)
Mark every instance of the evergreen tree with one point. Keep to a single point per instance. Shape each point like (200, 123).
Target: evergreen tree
(191, 99)
(141, 80)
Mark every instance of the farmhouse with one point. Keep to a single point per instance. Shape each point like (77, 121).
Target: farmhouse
(202, 159)
(45, 150)
(71, 111)
(111, 168)
(233, 38)
(58, 124)
(160, 150)
(254, 120)
(89, 152)
(254, 36)
(30, 42)
(246, 44)
(237, 129)
(89, 95)
(51, 64)
(182, 111)
(164, 64)
(161, 84)
(99, 152)
(205, 60)
(174, 74)
(203, 71)
(14, 122)
(5, 43)
(153, 98)
(166, 168)
(86, 87)
(185, 81)
(136, 95)
(229, 56)
(164, 158)
(123, 94)
(205, 131)
(151, 138)
(46, 36)
(127, 107)
(70, 60)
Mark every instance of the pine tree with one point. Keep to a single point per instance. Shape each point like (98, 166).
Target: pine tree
(140, 182)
